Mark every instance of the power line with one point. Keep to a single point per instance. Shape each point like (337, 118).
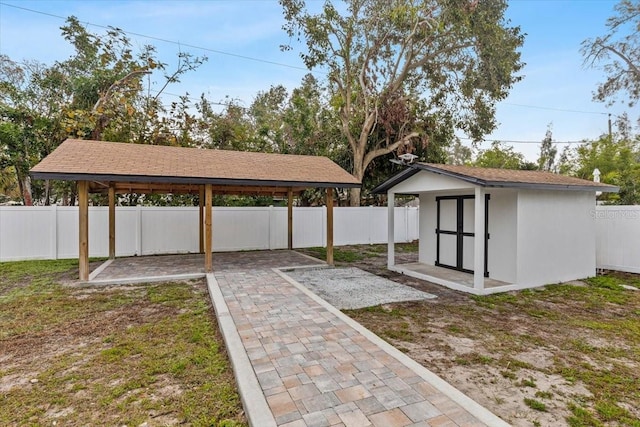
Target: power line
(250, 58)
(555, 109)
(206, 49)
(514, 141)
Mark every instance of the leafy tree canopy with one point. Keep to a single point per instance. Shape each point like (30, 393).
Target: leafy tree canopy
(391, 64)
(617, 159)
(502, 156)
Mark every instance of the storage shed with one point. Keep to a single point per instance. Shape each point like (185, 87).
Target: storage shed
(493, 230)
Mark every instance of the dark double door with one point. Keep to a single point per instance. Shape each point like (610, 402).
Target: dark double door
(455, 232)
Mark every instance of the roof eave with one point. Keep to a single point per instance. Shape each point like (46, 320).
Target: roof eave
(187, 180)
(412, 169)
(541, 186)
(394, 180)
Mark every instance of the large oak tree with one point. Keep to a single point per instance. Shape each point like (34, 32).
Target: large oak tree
(386, 59)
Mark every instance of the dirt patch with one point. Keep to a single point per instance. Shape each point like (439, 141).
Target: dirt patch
(555, 356)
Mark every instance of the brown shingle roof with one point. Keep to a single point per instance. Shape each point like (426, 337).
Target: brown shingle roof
(492, 177)
(113, 161)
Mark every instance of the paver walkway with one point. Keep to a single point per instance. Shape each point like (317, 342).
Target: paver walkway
(315, 366)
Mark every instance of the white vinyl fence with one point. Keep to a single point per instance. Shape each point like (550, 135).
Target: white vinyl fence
(618, 238)
(51, 232)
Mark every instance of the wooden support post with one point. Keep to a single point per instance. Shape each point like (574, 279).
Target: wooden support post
(83, 209)
(330, 226)
(290, 218)
(201, 219)
(208, 234)
(112, 220)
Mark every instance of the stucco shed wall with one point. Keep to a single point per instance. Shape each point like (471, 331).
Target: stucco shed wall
(556, 236)
(503, 235)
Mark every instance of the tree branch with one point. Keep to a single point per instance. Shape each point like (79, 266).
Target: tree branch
(117, 84)
(368, 158)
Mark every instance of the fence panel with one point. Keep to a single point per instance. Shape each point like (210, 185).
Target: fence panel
(26, 233)
(309, 227)
(51, 232)
(168, 230)
(236, 229)
(618, 238)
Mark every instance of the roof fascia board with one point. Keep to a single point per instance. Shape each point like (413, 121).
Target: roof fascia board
(499, 184)
(394, 180)
(466, 178)
(186, 180)
(541, 186)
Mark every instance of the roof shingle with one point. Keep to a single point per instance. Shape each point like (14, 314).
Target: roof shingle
(492, 177)
(83, 159)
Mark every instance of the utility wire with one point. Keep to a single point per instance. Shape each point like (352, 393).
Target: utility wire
(554, 109)
(250, 58)
(206, 49)
(512, 141)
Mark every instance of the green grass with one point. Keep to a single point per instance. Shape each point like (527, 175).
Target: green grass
(544, 394)
(355, 253)
(110, 356)
(339, 255)
(528, 382)
(535, 404)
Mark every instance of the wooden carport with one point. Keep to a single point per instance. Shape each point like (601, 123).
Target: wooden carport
(120, 168)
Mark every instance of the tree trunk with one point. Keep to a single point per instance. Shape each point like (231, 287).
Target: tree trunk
(47, 192)
(358, 172)
(24, 184)
(26, 191)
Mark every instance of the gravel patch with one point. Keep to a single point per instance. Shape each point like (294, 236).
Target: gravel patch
(351, 288)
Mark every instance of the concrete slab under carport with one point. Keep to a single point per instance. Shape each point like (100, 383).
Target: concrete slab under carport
(164, 268)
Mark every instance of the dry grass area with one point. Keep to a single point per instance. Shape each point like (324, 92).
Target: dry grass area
(565, 354)
(119, 355)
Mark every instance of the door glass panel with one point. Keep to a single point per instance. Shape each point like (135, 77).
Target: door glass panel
(469, 215)
(467, 252)
(448, 215)
(448, 249)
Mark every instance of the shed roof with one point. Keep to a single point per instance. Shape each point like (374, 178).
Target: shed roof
(137, 163)
(493, 177)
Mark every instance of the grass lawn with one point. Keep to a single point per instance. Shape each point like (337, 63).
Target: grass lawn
(116, 355)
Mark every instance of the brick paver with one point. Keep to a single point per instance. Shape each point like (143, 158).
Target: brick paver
(316, 370)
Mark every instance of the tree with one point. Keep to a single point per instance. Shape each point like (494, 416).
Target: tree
(229, 129)
(267, 113)
(459, 154)
(548, 152)
(384, 58)
(310, 122)
(97, 93)
(30, 118)
(502, 156)
(105, 82)
(618, 54)
(618, 160)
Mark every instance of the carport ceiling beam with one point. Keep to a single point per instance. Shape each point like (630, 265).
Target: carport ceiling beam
(159, 188)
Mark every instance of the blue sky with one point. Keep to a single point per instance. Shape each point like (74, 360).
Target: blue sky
(554, 77)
